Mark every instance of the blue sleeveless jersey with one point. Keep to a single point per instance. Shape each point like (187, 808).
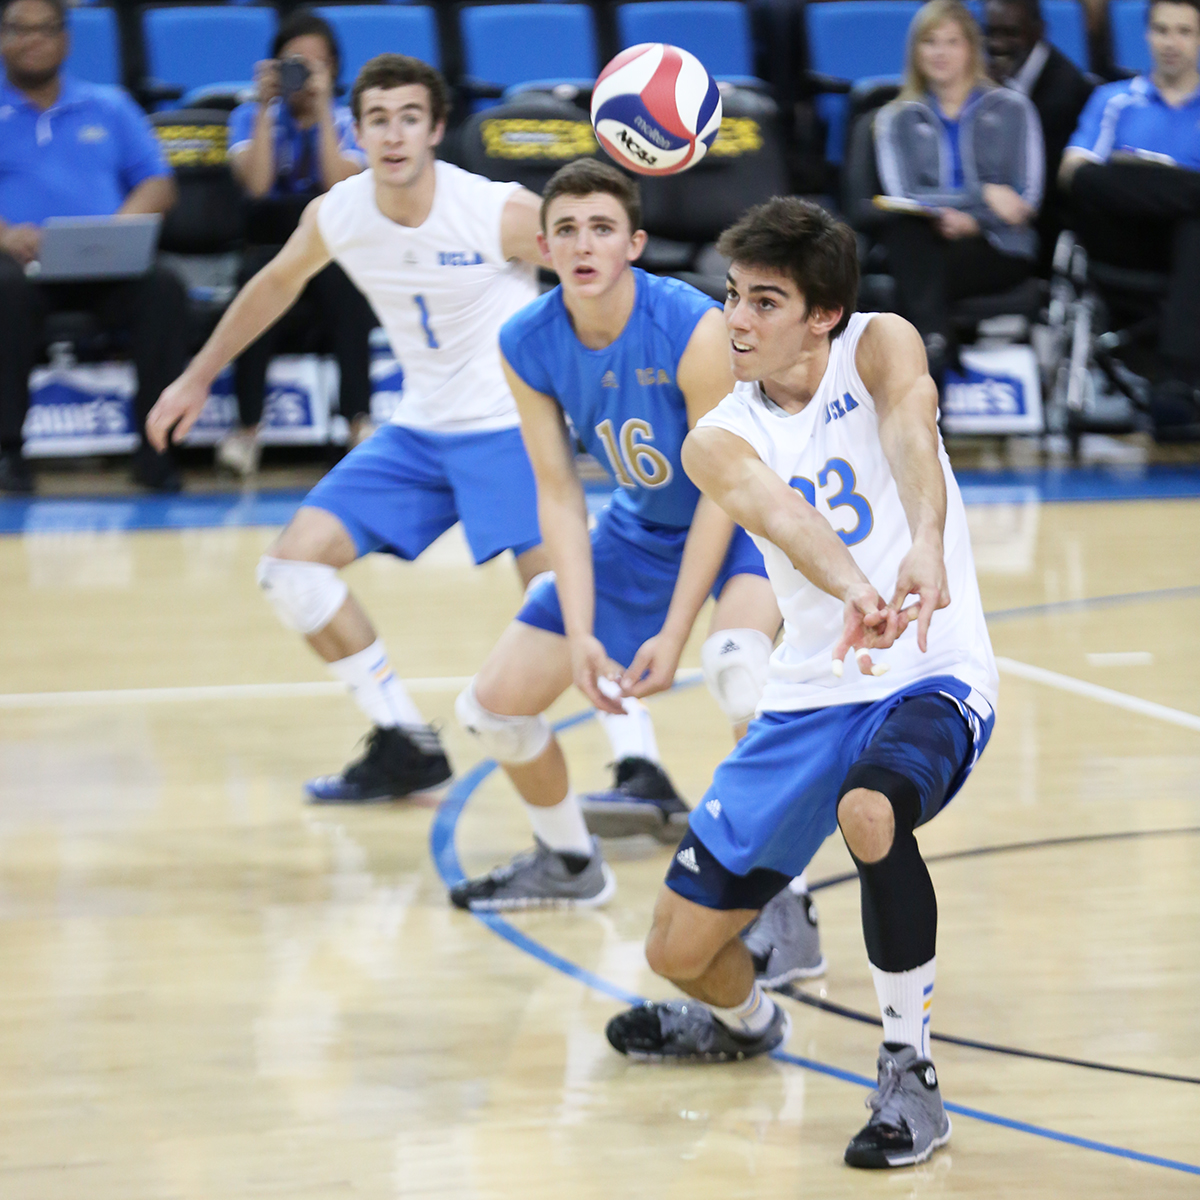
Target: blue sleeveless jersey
(622, 401)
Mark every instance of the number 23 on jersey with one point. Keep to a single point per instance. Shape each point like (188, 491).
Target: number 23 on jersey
(844, 497)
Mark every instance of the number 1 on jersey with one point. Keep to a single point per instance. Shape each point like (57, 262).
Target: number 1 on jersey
(430, 339)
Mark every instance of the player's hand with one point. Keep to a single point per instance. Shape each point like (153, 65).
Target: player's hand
(953, 224)
(653, 667)
(23, 242)
(589, 664)
(1007, 204)
(922, 574)
(868, 625)
(176, 409)
(266, 80)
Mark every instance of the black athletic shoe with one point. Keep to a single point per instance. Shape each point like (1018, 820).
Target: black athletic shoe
(641, 800)
(395, 764)
(15, 475)
(1175, 411)
(687, 1031)
(156, 472)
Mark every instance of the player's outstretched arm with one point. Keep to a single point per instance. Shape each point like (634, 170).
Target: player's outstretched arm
(519, 226)
(562, 514)
(726, 469)
(255, 309)
(891, 362)
(705, 379)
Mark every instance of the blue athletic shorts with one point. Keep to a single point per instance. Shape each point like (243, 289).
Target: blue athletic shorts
(403, 488)
(774, 800)
(635, 566)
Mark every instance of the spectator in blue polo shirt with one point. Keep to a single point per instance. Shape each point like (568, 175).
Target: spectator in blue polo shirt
(1132, 174)
(289, 144)
(71, 149)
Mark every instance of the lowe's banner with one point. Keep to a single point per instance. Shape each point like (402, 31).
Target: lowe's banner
(78, 409)
(999, 391)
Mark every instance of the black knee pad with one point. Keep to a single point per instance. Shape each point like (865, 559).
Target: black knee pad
(899, 907)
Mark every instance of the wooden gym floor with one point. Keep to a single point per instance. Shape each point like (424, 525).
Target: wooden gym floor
(209, 990)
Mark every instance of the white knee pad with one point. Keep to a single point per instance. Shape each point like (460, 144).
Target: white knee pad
(305, 595)
(506, 739)
(734, 662)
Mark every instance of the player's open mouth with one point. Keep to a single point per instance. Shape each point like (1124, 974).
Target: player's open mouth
(585, 273)
(742, 348)
(395, 160)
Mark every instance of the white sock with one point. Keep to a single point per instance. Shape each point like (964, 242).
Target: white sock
(799, 885)
(375, 687)
(561, 826)
(750, 1017)
(631, 735)
(905, 998)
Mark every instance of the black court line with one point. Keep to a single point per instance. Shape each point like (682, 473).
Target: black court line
(853, 1014)
(1090, 602)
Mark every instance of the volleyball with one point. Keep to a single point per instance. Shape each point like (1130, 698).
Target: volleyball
(656, 109)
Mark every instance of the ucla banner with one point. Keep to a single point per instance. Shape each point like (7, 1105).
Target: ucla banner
(998, 391)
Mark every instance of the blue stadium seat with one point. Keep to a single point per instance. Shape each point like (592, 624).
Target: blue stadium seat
(1127, 20)
(95, 45)
(506, 44)
(717, 32)
(852, 40)
(365, 30)
(189, 47)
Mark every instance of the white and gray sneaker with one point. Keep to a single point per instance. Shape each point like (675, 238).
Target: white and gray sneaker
(784, 940)
(687, 1031)
(540, 878)
(908, 1122)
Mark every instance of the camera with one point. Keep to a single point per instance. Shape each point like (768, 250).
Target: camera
(293, 75)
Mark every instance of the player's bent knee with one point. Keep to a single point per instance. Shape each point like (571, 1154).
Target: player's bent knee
(305, 595)
(511, 740)
(868, 824)
(670, 956)
(734, 663)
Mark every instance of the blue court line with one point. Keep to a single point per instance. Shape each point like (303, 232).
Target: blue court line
(50, 514)
(445, 857)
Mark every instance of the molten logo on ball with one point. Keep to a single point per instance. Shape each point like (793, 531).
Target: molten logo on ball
(656, 109)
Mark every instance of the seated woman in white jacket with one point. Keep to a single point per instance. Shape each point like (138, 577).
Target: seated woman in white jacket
(969, 154)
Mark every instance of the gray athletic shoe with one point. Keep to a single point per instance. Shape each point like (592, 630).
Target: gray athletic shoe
(785, 941)
(687, 1031)
(540, 878)
(908, 1122)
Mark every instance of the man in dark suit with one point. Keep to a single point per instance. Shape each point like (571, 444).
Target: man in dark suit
(1020, 58)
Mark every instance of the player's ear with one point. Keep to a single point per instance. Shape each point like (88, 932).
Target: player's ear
(822, 320)
(637, 243)
(439, 132)
(543, 246)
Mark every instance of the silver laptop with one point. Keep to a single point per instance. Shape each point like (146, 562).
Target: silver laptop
(80, 248)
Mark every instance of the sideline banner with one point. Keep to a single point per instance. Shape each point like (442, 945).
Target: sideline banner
(999, 391)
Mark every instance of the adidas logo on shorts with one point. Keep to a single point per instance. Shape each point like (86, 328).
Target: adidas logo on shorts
(714, 807)
(686, 858)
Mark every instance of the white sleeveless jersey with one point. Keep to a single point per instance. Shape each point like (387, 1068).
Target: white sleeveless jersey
(831, 452)
(441, 291)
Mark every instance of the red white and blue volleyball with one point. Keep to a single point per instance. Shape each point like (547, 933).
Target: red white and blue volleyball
(656, 109)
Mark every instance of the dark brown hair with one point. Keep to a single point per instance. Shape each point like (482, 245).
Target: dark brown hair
(803, 241)
(587, 175)
(399, 70)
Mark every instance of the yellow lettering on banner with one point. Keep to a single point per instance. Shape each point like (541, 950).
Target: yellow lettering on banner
(529, 138)
(194, 145)
(737, 135)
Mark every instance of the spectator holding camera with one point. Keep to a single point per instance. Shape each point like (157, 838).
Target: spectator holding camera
(75, 149)
(964, 157)
(290, 143)
(1132, 175)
